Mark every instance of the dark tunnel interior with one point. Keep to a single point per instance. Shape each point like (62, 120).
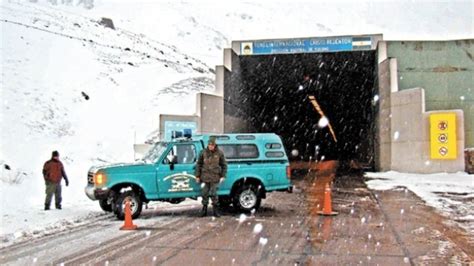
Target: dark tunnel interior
(274, 97)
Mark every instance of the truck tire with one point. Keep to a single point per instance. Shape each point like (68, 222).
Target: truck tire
(246, 198)
(136, 204)
(105, 206)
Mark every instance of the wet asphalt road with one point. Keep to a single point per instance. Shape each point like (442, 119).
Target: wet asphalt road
(371, 228)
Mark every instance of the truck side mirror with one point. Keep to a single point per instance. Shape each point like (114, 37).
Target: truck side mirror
(173, 161)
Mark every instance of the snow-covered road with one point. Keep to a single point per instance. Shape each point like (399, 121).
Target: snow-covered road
(451, 194)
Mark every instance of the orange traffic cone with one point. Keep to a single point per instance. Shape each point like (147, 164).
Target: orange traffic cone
(128, 223)
(327, 207)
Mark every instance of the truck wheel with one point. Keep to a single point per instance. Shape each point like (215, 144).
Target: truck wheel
(246, 198)
(105, 206)
(136, 204)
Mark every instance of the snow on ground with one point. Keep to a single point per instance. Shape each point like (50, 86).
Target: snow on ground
(451, 194)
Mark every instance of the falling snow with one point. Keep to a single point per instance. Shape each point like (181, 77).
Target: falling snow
(294, 153)
(242, 218)
(396, 135)
(257, 228)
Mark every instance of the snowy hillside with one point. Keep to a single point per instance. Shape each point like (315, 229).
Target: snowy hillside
(88, 91)
(204, 27)
(71, 84)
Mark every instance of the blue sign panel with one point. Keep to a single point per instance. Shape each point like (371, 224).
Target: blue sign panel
(308, 45)
(176, 129)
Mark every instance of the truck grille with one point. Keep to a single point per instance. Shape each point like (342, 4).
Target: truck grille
(90, 178)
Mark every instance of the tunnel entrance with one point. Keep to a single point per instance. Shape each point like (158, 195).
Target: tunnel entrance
(273, 95)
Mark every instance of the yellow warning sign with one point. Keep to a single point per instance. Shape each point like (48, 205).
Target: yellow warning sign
(443, 136)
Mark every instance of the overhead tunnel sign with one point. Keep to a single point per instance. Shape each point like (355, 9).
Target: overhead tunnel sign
(443, 136)
(306, 45)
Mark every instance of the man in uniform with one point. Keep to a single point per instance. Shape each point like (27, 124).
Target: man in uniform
(211, 169)
(53, 172)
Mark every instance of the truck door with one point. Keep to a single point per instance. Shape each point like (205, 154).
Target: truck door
(176, 177)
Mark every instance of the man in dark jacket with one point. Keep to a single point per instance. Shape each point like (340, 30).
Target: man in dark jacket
(211, 169)
(53, 172)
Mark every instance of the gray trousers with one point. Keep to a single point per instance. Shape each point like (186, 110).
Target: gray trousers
(53, 189)
(209, 190)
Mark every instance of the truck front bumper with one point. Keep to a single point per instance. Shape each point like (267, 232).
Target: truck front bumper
(94, 193)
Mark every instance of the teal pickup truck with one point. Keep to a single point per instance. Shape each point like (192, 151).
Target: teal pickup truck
(257, 164)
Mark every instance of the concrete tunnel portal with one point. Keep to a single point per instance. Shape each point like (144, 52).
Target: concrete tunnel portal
(270, 93)
(265, 85)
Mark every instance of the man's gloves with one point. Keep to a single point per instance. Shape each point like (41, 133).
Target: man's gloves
(67, 181)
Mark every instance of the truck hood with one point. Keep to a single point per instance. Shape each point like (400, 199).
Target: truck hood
(106, 167)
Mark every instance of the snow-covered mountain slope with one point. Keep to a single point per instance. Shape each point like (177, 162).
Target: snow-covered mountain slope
(204, 27)
(72, 85)
(52, 61)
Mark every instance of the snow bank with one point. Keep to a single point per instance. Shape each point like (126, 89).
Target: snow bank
(451, 194)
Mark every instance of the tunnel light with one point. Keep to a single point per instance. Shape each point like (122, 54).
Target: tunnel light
(323, 122)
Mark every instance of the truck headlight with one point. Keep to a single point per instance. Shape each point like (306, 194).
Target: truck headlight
(100, 179)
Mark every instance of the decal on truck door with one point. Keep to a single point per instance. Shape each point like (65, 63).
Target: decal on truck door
(180, 182)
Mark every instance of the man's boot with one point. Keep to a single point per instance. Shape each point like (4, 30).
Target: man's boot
(204, 211)
(46, 207)
(215, 211)
(58, 207)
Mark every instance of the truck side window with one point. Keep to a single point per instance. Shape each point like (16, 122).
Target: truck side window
(239, 151)
(186, 154)
(273, 146)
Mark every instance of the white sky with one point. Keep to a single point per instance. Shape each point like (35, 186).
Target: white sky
(408, 20)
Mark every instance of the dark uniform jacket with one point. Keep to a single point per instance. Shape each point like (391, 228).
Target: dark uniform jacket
(53, 171)
(211, 165)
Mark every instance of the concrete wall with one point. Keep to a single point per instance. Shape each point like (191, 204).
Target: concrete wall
(410, 148)
(234, 120)
(383, 138)
(445, 69)
(211, 113)
(228, 58)
(219, 82)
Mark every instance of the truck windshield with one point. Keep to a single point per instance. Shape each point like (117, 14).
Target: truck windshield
(155, 152)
